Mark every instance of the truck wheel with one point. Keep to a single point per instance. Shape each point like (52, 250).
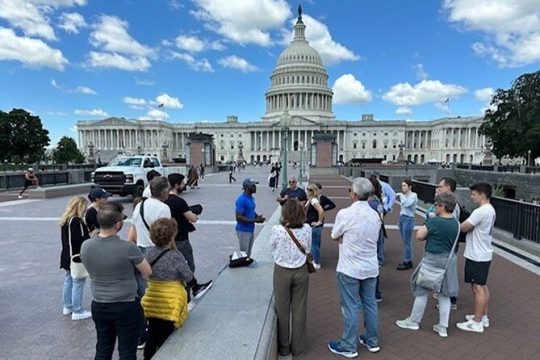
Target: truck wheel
(139, 190)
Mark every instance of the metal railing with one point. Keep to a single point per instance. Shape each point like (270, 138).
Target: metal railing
(424, 190)
(519, 218)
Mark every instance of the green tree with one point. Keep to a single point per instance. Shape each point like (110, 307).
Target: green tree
(66, 151)
(22, 137)
(513, 120)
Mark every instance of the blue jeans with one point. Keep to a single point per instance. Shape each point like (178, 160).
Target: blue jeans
(114, 320)
(380, 248)
(355, 294)
(406, 227)
(73, 293)
(316, 243)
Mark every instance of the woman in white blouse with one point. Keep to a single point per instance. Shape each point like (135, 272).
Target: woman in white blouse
(291, 277)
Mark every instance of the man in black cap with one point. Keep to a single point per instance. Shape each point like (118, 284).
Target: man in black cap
(97, 196)
(246, 217)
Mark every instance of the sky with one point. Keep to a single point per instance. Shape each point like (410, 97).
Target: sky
(185, 61)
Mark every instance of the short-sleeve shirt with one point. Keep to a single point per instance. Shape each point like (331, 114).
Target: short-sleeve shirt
(311, 214)
(111, 264)
(442, 233)
(478, 241)
(297, 193)
(245, 205)
(153, 210)
(178, 207)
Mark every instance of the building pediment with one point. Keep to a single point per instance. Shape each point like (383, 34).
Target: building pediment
(114, 122)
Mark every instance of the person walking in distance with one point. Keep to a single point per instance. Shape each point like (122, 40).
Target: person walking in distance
(478, 255)
(357, 270)
(231, 171)
(409, 200)
(246, 217)
(185, 219)
(30, 179)
(112, 264)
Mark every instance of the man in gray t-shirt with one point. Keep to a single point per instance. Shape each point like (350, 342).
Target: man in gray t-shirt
(111, 263)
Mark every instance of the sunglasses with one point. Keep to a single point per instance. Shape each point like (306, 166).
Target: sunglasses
(292, 182)
(310, 190)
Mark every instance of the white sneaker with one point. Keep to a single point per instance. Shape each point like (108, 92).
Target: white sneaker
(408, 323)
(66, 311)
(441, 330)
(316, 265)
(471, 325)
(84, 315)
(19, 197)
(485, 320)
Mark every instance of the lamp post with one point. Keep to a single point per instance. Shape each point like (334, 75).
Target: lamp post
(285, 121)
(529, 157)
(5, 174)
(301, 173)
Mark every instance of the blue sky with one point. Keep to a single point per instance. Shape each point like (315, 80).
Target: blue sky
(70, 60)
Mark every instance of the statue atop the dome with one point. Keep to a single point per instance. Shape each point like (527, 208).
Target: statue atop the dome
(299, 12)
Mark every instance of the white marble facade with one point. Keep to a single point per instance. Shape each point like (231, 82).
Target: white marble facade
(298, 85)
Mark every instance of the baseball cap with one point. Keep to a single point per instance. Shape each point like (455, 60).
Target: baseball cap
(98, 192)
(31, 169)
(248, 181)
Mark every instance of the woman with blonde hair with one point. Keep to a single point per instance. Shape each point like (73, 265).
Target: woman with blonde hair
(314, 218)
(291, 280)
(73, 232)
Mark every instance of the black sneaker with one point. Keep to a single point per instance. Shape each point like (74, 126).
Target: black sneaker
(200, 289)
(406, 265)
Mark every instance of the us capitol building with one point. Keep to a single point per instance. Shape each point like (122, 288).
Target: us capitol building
(300, 99)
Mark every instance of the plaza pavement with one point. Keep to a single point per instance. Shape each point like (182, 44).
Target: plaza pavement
(31, 285)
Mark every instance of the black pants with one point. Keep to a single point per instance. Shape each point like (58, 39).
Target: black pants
(114, 320)
(158, 331)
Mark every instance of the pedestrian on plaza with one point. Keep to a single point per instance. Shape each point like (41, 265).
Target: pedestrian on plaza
(145, 214)
(388, 194)
(273, 178)
(231, 171)
(30, 179)
(73, 232)
(185, 219)
(357, 270)
(149, 177)
(478, 255)
(202, 171)
(193, 177)
(448, 185)
(165, 303)
(292, 192)
(439, 233)
(290, 279)
(376, 204)
(112, 264)
(315, 219)
(409, 200)
(246, 217)
(97, 196)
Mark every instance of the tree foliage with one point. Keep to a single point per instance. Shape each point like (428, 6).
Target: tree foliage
(22, 137)
(67, 152)
(513, 120)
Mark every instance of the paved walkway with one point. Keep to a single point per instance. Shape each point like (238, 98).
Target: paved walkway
(31, 285)
(514, 312)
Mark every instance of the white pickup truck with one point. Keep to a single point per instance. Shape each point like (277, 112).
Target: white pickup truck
(126, 175)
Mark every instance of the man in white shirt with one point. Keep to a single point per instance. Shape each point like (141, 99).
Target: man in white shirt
(357, 270)
(478, 254)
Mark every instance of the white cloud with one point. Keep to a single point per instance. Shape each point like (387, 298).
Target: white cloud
(34, 53)
(135, 103)
(144, 82)
(426, 91)
(94, 112)
(117, 48)
(403, 110)
(55, 84)
(348, 90)
(84, 90)
(320, 39)
(197, 65)
(71, 22)
(512, 28)
(419, 71)
(244, 22)
(155, 115)
(484, 94)
(169, 101)
(238, 63)
(193, 44)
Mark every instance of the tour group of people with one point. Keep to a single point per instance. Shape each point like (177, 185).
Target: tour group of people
(144, 286)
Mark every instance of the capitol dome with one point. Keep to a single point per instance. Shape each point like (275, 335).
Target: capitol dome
(299, 82)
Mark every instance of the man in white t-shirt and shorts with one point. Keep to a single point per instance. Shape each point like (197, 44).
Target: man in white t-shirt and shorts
(478, 254)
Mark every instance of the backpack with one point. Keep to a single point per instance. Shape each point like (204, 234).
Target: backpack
(239, 259)
(463, 215)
